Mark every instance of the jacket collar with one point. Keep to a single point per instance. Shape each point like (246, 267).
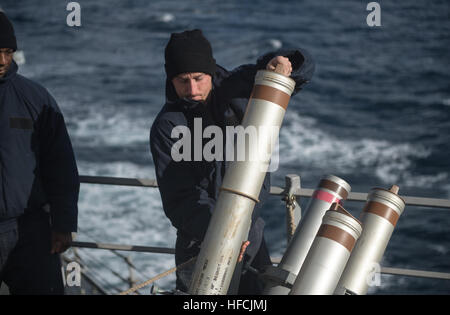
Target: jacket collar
(11, 73)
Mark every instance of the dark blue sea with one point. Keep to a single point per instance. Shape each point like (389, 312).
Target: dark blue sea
(376, 113)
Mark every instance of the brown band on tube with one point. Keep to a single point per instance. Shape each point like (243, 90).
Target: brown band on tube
(270, 94)
(336, 234)
(383, 211)
(256, 200)
(328, 184)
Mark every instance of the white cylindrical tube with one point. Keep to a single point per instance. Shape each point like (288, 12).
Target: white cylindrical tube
(329, 253)
(379, 217)
(331, 189)
(242, 183)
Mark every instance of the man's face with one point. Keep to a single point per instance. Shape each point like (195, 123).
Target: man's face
(193, 85)
(6, 57)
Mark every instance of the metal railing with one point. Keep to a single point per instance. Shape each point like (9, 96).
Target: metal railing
(274, 190)
(291, 191)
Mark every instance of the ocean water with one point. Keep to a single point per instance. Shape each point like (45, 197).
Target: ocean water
(376, 113)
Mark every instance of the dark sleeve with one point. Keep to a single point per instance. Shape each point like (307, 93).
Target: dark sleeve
(237, 86)
(58, 168)
(185, 203)
(303, 65)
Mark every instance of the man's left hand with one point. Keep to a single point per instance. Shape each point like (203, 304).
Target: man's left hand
(242, 252)
(61, 241)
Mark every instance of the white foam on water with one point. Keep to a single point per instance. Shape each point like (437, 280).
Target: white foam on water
(275, 43)
(117, 169)
(166, 17)
(428, 181)
(303, 143)
(440, 249)
(102, 128)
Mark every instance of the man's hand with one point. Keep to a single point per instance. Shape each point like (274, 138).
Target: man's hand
(243, 248)
(283, 63)
(61, 241)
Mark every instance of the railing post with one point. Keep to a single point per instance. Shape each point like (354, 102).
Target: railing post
(131, 279)
(293, 210)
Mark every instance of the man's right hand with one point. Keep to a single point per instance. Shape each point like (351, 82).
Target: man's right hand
(286, 66)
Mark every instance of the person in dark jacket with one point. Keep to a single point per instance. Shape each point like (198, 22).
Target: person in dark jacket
(198, 88)
(39, 182)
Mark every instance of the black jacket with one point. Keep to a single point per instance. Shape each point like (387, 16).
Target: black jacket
(189, 189)
(37, 163)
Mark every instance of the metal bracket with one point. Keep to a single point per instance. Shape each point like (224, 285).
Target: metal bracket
(279, 276)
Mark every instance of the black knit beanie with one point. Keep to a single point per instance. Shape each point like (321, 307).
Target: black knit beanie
(189, 51)
(7, 37)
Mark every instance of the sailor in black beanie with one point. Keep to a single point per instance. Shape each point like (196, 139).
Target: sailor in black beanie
(8, 43)
(198, 89)
(7, 36)
(190, 65)
(39, 182)
(187, 52)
